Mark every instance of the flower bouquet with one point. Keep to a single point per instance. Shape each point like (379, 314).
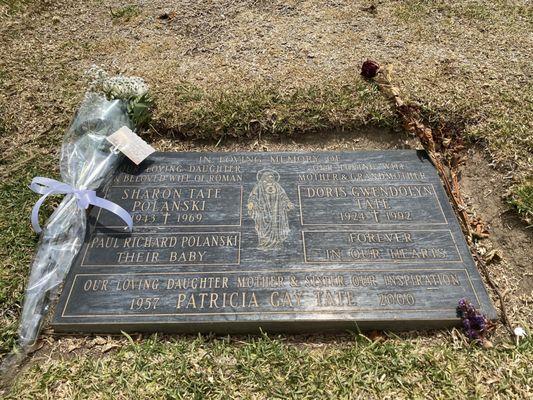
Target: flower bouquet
(87, 160)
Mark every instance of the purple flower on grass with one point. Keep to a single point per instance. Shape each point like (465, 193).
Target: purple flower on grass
(475, 324)
(462, 303)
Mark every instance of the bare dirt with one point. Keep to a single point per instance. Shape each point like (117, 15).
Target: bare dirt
(484, 187)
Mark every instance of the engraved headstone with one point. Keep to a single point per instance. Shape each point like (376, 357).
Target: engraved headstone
(235, 242)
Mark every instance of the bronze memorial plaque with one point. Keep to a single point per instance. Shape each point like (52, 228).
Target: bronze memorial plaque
(295, 242)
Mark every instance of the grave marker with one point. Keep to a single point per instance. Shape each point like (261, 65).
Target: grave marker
(294, 242)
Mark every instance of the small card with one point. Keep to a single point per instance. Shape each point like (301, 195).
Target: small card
(131, 145)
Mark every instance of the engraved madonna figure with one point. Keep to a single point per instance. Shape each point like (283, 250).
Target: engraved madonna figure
(268, 205)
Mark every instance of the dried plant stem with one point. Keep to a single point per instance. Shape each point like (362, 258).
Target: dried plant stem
(448, 168)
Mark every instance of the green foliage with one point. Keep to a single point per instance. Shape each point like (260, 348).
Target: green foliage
(140, 110)
(13, 6)
(125, 13)
(522, 199)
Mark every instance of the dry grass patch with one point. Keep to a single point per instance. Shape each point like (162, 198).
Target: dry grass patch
(466, 61)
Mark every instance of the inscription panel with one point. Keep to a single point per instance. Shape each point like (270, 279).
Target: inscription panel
(143, 295)
(238, 242)
(419, 246)
(370, 205)
(171, 249)
(177, 205)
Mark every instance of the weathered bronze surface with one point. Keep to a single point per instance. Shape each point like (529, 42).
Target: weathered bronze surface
(235, 242)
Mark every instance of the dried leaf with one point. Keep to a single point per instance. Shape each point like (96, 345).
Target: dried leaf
(99, 340)
(376, 336)
(108, 347)
(443, 147)
(73, 345)
(493, 255)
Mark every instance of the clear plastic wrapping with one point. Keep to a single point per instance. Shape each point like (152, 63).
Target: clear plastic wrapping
(87, 160)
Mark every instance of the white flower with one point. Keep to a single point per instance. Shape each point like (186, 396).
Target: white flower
(96, 76)
(116, 87)
(519, 332)
(124, 87)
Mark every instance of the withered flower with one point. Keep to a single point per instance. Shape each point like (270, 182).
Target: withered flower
(369, 69)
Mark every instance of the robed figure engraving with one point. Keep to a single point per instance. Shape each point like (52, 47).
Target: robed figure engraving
(268, 205)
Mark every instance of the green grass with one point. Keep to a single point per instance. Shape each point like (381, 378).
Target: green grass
(474, 11)
(276, 368)
(17, 238)
(18, 246)
(522, 199)
(492, 96)
(125, 13)
(13, 6)
(262, 109)
(3, 129)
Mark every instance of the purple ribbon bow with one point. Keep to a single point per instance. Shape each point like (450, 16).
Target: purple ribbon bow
(84, 198)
